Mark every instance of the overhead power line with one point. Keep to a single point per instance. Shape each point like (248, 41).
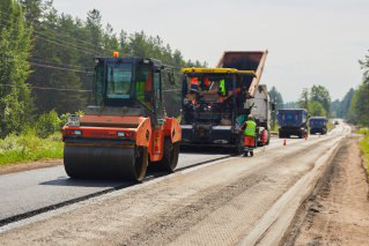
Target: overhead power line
(60, 68)
(49, 88)
(85, 71)
(61, 43)
(54, 63)
(66, 45)
(58, 33)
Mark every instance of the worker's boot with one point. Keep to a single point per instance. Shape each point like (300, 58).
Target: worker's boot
(251, 153)
(245, 153)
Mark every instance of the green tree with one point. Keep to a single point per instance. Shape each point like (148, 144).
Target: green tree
(15, 44)
(303, 102)
(341, 108)
(359, 110)
(64, 51)
(276, 98)
(290, 105)
(320, 94)
(316, 109)
(365, 66)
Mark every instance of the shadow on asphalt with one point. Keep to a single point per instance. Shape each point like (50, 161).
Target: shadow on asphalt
(103, 182)
(205, 150)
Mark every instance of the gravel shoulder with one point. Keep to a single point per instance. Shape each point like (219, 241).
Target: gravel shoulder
(213, 205)
(338, 212)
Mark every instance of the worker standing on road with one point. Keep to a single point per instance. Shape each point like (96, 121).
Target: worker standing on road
(249, 128)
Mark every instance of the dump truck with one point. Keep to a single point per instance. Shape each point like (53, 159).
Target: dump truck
(261, 110)
(215, 99)
(127, 128)
(318, 125)
(293, 122)
(260, 106)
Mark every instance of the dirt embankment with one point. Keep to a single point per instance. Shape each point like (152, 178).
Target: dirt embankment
(338, 213)
(21, 167)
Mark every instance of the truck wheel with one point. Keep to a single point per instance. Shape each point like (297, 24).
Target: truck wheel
(170, 156)
(268, 139)
(240, 145)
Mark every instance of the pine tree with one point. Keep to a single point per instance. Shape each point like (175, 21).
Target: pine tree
(15, 44)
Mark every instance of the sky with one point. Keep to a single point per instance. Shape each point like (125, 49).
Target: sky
(309, 41)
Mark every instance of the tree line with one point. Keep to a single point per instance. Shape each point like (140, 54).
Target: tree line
(46, 59)
(316, 100)
(355, 105)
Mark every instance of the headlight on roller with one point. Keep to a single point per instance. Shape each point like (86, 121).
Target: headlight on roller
(125, 135)
(73, 120)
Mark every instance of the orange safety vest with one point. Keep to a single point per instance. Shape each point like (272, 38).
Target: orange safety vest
(207, 82)
(194, 81)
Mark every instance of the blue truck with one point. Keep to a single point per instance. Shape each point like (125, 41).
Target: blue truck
(318, 125)
(293, 122)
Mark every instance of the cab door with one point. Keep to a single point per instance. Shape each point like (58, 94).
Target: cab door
(158, 139)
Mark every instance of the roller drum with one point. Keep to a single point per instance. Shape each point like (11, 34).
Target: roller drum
(104, 162)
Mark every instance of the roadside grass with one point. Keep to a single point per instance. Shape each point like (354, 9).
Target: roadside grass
(275, 129)
(330, 125)
(28, 147)
(364, 145)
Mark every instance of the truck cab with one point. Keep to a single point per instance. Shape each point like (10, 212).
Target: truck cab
(292, 122)
(318, 125)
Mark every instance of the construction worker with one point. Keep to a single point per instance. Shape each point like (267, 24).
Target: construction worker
(194, 91)
(249, 128)
(194, 85)
(206, 84)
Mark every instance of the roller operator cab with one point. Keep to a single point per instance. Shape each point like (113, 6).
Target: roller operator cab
(214, 104)
(318, 125)
(293, 122)
(127, 128)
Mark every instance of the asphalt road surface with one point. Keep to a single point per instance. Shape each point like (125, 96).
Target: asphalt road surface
(192, 206)
(31, 190)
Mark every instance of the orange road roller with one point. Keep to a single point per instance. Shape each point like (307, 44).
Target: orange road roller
(128, 129)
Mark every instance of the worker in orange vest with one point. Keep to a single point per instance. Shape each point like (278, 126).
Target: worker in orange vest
(194, 85)
(249, 128)
(206, 83)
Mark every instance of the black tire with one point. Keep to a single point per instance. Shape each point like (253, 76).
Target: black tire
(240, 145)
(141, 162)
(72, 170)
(268, 139)
(170, 156)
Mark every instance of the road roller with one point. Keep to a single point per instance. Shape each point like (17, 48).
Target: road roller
(127, 128)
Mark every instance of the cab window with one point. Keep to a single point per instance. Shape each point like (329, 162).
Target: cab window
(144, 86)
